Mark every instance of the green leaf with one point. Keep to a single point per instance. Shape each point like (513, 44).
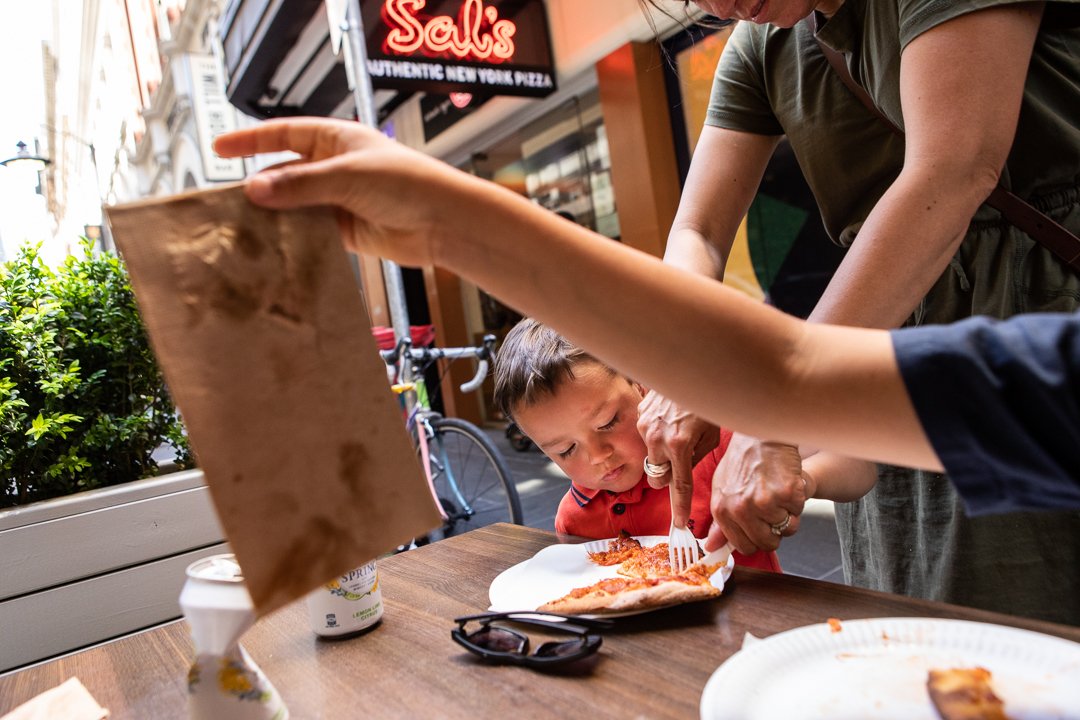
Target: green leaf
(38, 427)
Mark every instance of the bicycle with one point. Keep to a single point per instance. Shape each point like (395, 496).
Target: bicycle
(467, 475)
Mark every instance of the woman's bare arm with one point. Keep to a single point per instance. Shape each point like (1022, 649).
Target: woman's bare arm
(961, 84)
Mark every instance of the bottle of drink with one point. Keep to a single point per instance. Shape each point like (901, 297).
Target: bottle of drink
(224, 682)
(348, 604)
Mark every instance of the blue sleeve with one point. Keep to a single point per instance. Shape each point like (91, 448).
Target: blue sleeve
(1000, 403)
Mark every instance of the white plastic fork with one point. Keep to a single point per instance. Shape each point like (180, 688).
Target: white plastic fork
(683, 548)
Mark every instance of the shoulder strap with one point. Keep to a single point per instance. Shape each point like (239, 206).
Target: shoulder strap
(1018, 212)
(839, 66)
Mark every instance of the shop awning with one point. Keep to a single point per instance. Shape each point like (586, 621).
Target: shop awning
(279, 62)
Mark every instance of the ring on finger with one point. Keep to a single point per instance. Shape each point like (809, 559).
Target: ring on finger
(654, 470)
(780, 527)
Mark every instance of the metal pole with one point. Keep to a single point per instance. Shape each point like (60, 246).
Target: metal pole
(106, 233)
(360, 84)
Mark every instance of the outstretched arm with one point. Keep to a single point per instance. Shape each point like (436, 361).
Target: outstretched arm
(841, 388)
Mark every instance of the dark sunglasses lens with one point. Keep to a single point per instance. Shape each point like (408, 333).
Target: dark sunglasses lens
(561, 649)
(498, 640)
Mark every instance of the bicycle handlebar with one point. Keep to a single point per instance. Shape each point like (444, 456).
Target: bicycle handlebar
(424, 356)
(478, 378)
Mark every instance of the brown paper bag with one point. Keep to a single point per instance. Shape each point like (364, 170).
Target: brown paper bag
(262, 336)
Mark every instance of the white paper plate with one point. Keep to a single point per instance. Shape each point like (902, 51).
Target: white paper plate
(558, 569)
(878, 669)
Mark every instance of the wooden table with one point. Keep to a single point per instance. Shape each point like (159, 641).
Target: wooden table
(650, 666)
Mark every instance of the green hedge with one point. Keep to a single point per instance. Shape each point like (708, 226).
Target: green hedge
(82, 401)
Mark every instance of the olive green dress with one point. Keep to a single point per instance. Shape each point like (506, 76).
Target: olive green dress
(910, 534)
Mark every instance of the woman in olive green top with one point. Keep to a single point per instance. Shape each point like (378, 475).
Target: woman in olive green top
(986, 91)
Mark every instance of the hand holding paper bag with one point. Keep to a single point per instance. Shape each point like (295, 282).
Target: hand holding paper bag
(264, 342)
(394, 202)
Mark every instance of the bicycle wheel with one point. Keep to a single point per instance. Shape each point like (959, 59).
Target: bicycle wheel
(471, 478)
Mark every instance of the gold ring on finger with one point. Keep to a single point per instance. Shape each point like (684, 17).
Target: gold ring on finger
(779, 528)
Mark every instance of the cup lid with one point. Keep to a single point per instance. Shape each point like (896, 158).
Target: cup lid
(221, 568)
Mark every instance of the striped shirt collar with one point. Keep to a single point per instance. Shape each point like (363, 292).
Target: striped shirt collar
(581, 495)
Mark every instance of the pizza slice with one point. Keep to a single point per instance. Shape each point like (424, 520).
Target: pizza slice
(647, 562)
(633, 559)
(625, 594)
(964, 694)
(619, 549)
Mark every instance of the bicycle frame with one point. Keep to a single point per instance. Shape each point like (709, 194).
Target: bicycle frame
(420, 420)
(410, 384)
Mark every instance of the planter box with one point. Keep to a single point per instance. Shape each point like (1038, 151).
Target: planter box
(86, 568)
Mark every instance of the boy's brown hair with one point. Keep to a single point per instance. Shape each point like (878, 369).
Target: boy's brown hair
(531, 362)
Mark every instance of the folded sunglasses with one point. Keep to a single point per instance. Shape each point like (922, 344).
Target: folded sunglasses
(494, 641)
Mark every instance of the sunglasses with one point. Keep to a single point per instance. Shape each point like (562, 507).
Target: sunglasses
(493, 641)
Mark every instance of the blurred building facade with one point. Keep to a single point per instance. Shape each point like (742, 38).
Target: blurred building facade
(188, 109)
(131, 101)
(99, 73)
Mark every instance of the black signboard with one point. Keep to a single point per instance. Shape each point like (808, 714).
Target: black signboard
(440, 112)
(484, 47)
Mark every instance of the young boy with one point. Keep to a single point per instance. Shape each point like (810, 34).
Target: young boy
(583, 416)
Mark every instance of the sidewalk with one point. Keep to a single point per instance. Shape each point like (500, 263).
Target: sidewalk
(814, 552)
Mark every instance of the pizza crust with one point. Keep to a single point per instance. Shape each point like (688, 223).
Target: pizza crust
(964, 694)
(660, 594)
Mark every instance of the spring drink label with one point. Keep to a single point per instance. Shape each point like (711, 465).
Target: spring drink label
(348, 604)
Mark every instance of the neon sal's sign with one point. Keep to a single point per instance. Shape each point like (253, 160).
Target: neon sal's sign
(477, 33)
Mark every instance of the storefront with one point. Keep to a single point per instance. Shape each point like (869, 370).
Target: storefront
(571, 104)
(557, 150)
(513, 90)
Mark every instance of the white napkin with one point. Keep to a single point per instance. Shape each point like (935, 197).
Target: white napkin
(69, 700)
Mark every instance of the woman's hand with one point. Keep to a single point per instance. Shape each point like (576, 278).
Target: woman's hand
(673, 435)
(757, 487)
(395, 202)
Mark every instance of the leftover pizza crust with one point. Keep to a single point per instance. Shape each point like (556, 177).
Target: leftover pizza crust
(964, 694)
(647, 582)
